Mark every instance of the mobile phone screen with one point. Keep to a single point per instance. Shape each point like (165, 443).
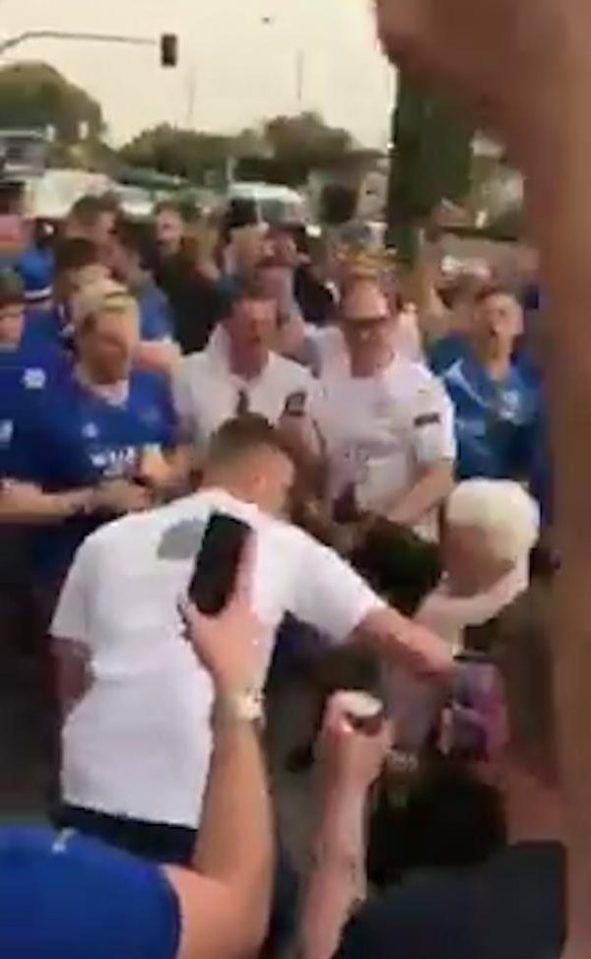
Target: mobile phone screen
(217, 563)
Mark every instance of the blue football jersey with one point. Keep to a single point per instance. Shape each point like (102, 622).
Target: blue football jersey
(497, 424)
(68, 897)
(76, 439)
(26, 375)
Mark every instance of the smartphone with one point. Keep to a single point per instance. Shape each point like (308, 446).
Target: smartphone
(217, 562)
(475, 714)
(295, 404)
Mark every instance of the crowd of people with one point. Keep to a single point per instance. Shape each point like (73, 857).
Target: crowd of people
(383, 437)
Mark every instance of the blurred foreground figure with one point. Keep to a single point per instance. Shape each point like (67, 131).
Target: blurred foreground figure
(523, 68)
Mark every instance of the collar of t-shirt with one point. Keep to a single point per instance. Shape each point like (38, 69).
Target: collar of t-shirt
(115, 394)
(218, 353)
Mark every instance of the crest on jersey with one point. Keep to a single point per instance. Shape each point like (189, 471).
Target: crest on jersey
(34, 379)
(90, 431)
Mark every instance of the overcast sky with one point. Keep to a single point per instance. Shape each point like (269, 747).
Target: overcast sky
(234, 70)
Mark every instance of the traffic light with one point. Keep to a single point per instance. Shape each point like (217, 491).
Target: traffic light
(169, 50)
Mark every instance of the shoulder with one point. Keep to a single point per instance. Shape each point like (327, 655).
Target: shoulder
(194, 364)
(412, 918)
(414, 380)
(290, 372)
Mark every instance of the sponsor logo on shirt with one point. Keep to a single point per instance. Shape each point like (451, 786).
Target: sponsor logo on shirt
(34, 379)
(115, 463)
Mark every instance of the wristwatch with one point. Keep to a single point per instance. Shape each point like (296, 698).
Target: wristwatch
(247, 705)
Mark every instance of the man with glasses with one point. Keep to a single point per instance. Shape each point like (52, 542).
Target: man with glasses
(387, 422)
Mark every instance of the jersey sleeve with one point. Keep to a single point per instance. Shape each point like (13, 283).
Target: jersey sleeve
(71, 617)
(329, 594)
(433, 424)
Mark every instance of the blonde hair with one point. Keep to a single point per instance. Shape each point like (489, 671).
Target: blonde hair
(503, 510)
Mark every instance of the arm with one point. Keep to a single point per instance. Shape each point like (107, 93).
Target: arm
(337, 878)
(433, 486)
(225, 902)
(350, 762)
(332, 597)
(74, 678)
(434, 449)
(27, 504)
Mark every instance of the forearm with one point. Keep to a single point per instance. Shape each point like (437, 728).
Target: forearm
(45, 508)
(235, 845)
(430, 491)
(337, 877)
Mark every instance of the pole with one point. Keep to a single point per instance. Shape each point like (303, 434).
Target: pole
(300, 78)
(12, 42)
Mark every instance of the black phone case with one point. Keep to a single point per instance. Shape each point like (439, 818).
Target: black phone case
(217, 563)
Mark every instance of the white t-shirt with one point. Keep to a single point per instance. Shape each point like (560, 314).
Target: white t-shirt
(381, 430)
(138, 743)
(207, 392)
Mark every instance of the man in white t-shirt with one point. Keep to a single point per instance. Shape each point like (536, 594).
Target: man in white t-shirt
(129, 754)
(386, 421)
(239, 371)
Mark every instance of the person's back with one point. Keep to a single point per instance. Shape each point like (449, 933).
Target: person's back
(87, 901)
(138, 657)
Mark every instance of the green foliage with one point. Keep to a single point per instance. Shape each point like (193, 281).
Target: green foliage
(284, 151)
(34, 95)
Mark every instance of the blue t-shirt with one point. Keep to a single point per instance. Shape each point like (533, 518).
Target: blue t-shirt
(74, 438)
(497, 424)
(69, 897)
(49, 326)
(155, 315)
(26, 374)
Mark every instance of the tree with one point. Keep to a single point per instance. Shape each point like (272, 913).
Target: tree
(34, 95)
(184, 153)
(307, 139)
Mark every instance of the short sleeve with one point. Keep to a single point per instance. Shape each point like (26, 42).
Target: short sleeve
(433, 424)
(71, 618)
(329, 594)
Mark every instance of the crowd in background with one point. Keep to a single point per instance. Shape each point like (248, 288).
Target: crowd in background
(398, 422)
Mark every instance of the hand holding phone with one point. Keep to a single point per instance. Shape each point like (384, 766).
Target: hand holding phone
(217, 563)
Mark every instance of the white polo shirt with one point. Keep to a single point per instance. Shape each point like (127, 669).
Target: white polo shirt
(138, 744)
(207, 393)
(381, 430)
